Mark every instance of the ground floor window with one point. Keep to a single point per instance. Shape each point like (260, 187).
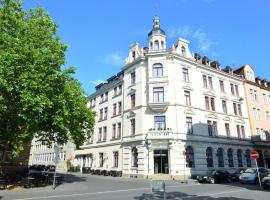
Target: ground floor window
(209, 157)
(230, 157)
(101, 159)
(239, 158)
(220, 158)
(190, 157)
(248, 159)
(115, 159)
(134, 157)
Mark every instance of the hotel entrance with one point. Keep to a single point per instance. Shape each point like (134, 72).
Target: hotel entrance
(161, 165)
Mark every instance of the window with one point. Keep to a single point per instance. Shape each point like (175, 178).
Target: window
(232, 89)
(115, 91)
(132, 126)
(255, 95)
(224, 106)
(213, 104)
(235, 108)
(189, 125)
(101, 98)
(106, 96)
(183, 50)
(132, 100)
(239, 158)
(162, 45)
(114, 109)
(105, 113)
(115, 159)
(248, 159)
(212, 128)
(101, 114)
(227, 129)
(268, 115)
(238, 131)
(209, 125)
(113, 131)
(265, 99)
(187, 98)
(220, 158)
(230, 157)
(119, 107)
(101, 160)
(185, 75)
(209, 157)
(243, 131)
(134, 157)
(239, 109)
(156, 45)
(133, 55)
(207, 103)
(190, 157)
(104, 133)
(221, 84)
(119, 130)
(160, 122)
(256, 113)
(204, 81)
(210, 82)
(120, 89)
(133, 78)
(158, 94)
(236, 90)
(157, 70)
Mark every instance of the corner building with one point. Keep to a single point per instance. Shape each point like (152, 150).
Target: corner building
(168, 113)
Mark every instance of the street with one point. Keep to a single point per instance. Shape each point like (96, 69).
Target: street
(85, 186)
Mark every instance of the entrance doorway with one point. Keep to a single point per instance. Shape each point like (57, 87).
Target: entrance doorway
(161, 165)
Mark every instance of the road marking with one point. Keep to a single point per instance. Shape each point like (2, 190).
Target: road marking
(104, 192)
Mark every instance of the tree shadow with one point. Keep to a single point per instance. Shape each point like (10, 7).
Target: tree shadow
(71, 178)
(181, 196)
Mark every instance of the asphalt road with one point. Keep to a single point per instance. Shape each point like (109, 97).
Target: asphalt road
(85, 187)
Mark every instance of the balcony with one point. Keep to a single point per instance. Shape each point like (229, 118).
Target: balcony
(160, 134)
(158, 106)
(161, 79)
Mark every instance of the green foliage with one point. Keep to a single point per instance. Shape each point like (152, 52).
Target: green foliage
(36, 95)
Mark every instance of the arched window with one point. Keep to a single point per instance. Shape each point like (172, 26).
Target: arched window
(157, 70)
(162, 45)
(190, 157)
(239, 158)
(151, 45)
(134, 157)
(183, 51)
(209, 157)
(156, 45)
(230, 157)
(220, 158)
(248, 159)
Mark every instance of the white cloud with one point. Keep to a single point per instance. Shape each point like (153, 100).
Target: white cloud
(114, 58)
(200, 38)
(97, 82)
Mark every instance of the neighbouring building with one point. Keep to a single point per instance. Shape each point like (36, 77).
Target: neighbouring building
(41, 154)
(257, 92)
(168, 112)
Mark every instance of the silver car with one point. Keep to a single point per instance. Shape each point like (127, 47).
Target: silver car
(251, 176)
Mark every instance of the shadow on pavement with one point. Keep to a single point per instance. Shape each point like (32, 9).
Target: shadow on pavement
(71, 178)
(181, 196)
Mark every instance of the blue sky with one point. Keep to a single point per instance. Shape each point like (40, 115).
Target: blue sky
(99, 32)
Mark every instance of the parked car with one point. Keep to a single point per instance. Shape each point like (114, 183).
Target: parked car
(215, 176)
(251, 175)
(235, 175)
(266, 182)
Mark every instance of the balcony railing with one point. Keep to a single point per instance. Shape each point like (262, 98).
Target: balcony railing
(158, 106)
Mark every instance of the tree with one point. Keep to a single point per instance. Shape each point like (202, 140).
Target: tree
(37, 95)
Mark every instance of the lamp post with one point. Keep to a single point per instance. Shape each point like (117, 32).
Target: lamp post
(56, 159)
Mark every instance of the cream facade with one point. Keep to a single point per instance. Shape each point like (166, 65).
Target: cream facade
(179, 115)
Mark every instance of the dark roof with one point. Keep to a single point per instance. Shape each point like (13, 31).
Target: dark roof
(156, 31)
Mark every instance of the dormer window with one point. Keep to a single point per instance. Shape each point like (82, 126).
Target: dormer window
(156, 45)
(183, 50)
(133, 55)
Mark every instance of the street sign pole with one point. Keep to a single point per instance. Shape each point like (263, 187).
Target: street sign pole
(258, 173)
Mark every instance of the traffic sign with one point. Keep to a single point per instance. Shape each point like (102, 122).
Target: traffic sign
(254, 155)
